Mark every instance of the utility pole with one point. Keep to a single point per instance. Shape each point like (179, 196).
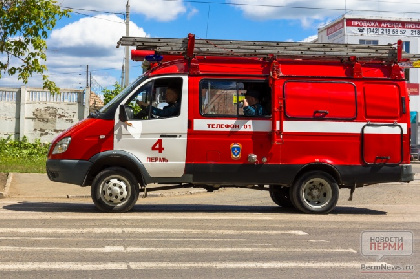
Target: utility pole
(87, 75)
(122, 75)
(87, 95)
(127, 53)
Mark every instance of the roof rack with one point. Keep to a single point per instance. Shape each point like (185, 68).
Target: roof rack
(202, 47)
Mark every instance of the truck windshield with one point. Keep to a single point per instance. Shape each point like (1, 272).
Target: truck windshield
(117, 99)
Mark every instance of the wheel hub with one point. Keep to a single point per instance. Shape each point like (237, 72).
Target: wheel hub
(317, 192)
(114, 191)
(314, 193)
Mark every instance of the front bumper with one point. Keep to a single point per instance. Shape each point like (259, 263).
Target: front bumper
(68, 171)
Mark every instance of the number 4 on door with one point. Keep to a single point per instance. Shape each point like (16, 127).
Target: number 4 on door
(158, 146)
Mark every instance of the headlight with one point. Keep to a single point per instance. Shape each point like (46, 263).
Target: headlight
(62, 145)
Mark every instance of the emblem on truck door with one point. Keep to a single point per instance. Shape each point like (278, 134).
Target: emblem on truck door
(235, 151)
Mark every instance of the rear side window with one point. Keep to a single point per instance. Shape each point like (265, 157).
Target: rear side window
(382, 101)
(220, 97)
(320, 99)
(226, 97)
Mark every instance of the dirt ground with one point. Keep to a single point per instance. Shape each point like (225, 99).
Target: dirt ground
(3, 179)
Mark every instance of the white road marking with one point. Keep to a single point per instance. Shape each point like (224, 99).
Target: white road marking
(141, 230)
(125, 238)
(54, 216)
(123, 249)
(26, 266)
(250, 265)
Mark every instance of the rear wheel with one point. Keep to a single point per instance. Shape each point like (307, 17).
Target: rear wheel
(281, 196)
(315, 192)
(115, 190)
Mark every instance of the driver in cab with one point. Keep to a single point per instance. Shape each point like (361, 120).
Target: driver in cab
(173, 107)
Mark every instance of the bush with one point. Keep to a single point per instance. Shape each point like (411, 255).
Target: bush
(22, 156)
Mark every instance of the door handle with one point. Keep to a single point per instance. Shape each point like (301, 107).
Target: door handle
(383, 157)
(320, 113)
(168, 136)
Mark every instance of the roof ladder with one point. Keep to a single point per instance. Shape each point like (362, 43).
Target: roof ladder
(191, 46)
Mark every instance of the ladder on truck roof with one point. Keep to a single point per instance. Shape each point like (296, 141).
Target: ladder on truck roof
(202, 47)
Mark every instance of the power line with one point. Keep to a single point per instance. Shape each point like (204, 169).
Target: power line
(99, 17)
(83, 71)
(278, 6)
(94, 11)
(383, 1)
(96, 87)
(345, 9)
(298, 7)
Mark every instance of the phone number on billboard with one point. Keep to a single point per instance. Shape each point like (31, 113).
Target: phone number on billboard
(392, 31)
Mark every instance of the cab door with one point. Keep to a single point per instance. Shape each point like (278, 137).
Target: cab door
(158, 142)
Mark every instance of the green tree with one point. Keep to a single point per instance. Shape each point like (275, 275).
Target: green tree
(109, 94)
(23, 30)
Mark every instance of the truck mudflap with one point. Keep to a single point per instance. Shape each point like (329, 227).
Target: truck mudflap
(407, 173)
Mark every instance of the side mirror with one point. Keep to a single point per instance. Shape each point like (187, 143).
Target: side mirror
(123, 114)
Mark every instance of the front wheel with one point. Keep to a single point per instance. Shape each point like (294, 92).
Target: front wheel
(115, 190)
(315, 192)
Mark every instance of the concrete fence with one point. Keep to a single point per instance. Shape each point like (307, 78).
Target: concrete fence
(37, 114)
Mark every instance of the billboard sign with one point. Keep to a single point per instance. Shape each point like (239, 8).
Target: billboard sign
(382, 27)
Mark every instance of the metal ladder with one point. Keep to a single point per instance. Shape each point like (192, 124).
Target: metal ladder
(292, 50)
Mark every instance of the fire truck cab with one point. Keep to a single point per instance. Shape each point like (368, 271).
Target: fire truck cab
(299, 120)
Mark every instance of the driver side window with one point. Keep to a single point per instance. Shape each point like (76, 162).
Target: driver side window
(160, 98)
(137, 105)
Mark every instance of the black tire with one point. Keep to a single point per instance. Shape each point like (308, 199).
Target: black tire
(315, 192)
(281, 196)
(115, 190)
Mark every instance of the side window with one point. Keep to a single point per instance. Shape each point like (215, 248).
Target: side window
(160, 98)
(133, 107)
(231, 98)
(219, 97)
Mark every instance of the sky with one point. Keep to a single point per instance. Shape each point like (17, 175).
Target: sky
(90, 35)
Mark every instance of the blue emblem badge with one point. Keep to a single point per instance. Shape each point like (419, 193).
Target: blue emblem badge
(235, 151)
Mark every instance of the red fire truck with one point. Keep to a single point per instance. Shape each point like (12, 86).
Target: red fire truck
(331, 116)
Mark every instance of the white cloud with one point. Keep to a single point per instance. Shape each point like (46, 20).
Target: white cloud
(192, 12)
(101, 31)
(310, 39)
(153, 9)
(89, 41)
(310, 12)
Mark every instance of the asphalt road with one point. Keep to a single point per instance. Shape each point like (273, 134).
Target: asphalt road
(230, 233)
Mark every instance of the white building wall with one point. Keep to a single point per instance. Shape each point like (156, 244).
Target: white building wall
(36, 114)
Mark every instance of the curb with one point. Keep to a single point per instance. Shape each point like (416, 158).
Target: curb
(5, 194)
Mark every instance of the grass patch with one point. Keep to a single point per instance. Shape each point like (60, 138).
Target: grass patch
(22, 156)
